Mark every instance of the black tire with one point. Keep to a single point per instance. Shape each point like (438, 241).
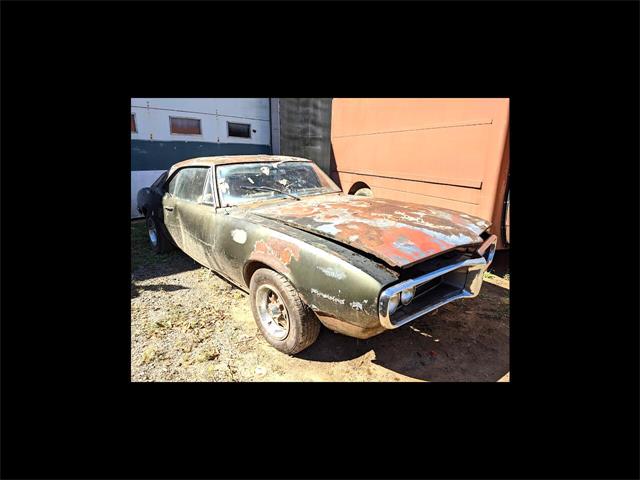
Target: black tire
(303, 325)
(363, 192)
(162, 244)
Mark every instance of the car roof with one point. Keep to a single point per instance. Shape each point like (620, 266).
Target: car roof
(229, 159)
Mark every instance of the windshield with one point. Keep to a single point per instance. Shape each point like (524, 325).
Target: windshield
(250, 182)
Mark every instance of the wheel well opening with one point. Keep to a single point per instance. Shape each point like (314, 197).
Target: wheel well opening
(357, 186)
(251, 268)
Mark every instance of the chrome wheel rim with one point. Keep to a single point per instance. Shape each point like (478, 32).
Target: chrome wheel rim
(153, 235)
(272, 312)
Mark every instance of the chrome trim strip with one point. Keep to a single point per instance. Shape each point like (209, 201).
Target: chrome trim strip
(424, 292)
(470, 289)
(488, 248)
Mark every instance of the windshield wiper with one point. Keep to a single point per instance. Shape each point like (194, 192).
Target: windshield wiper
(244, 187)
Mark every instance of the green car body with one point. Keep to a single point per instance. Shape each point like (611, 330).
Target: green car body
(342, 254)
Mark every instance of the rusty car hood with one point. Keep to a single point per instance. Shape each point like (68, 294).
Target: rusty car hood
(398, 233)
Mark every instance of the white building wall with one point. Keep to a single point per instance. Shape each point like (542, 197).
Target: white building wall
(152, 118)
(257, 108)
(152, 124)
(141, 179)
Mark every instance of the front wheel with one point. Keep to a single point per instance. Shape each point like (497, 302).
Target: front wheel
(286, 323)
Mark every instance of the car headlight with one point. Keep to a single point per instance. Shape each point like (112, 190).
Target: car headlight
(394, 302)
(407, 295)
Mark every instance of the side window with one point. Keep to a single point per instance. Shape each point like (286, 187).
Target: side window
(208, 190)
(173, 184)
(188, 183)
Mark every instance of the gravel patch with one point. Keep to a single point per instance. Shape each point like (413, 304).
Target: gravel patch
(189, 324)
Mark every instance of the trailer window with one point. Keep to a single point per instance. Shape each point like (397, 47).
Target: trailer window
(242, 130)
(185, 126)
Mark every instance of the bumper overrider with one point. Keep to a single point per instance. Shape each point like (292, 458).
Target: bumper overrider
(405, 301)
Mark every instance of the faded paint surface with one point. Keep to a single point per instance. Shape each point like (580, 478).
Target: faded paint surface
(280, 249)
(338, 251)
(239, 236)
(332, 272)
(397, 233)
(328, 276)
(356, 305)
(317, 292)
(343, 259)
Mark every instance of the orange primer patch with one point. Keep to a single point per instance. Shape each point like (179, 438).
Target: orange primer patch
(275, 247)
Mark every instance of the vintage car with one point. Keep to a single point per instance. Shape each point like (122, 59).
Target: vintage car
(281, 229)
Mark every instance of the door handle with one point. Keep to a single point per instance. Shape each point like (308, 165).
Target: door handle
(168, 208)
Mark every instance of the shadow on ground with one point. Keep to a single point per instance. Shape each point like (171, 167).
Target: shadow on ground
(466, 340)
(146, 264)
(136, 289)
(500, 265)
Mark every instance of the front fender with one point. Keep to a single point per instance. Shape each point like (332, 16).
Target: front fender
(332, 280)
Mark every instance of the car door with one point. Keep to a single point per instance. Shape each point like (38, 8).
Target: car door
(169, 212)
(197, 214)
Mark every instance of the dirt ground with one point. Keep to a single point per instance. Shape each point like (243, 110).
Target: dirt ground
(188, 324)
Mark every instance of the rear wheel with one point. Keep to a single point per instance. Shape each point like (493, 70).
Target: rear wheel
(287, 323)
(363, 192)
(158, 242)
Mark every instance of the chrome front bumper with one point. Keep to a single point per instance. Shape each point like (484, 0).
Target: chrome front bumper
(449, 283)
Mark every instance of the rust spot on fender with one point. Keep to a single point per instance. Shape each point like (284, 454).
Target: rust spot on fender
(274, 247)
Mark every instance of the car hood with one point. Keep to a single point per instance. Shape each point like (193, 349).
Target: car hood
(398, 233)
